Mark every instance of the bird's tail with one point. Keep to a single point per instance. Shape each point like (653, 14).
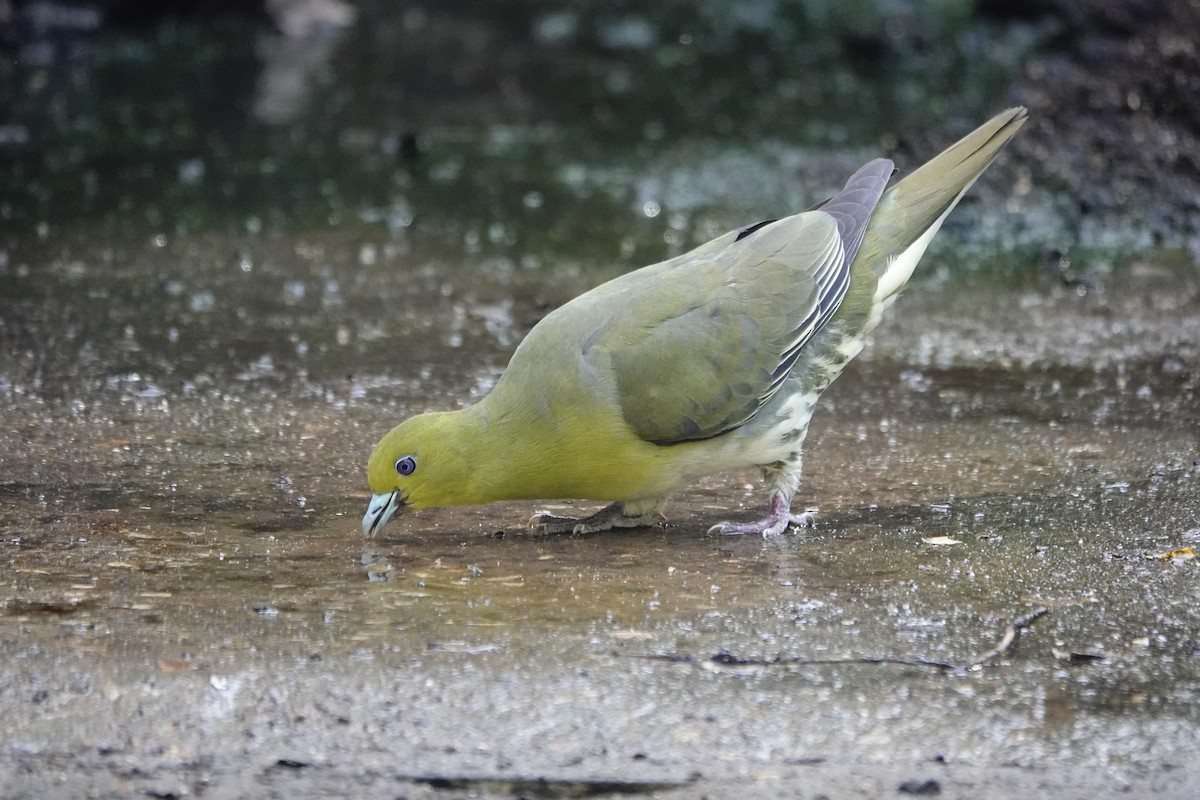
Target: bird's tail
(912, 211)
(933, 189)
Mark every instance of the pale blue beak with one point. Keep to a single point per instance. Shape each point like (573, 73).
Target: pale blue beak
(381, 508)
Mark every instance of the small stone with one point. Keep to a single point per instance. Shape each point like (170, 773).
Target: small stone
(927, 788)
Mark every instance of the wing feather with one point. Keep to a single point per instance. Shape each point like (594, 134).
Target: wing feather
(705, 366)
(694, 347)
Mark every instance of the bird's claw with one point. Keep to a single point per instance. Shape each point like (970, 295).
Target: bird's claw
(808, 519)
(770, 526)
(543, 522)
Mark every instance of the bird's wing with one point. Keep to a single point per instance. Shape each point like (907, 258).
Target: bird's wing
(698, 344)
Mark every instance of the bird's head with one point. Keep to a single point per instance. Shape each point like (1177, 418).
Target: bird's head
(416, 464)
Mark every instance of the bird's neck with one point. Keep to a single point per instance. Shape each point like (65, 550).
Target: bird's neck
(524, 452)
(495, 456)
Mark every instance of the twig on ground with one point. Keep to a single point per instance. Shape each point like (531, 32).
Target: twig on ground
(724, 658)
(1006, 641)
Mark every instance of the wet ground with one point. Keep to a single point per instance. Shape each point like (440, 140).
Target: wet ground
(998, 599)
(190, 608)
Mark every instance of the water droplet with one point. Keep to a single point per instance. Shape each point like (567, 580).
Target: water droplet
(191, 172)
(557, 26)
(628, 33)
(400, 216)
(202, 301)
(293, 292)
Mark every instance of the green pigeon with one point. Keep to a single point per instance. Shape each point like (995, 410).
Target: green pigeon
(709, 362)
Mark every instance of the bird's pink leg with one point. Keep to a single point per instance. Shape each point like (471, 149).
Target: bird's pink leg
(775, 523)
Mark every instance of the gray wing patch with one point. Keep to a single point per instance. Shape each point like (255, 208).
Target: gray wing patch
(852, 207)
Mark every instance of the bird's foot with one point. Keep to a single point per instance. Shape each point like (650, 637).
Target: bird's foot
(607, 518)
(775, 523)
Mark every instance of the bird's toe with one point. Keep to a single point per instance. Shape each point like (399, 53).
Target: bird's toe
(544, 524)
(738, 528)
(772, 528)
(807, 519)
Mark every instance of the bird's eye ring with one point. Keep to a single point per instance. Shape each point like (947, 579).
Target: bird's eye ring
(406, 465)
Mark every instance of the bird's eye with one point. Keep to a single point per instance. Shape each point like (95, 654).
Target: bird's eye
(406, 465)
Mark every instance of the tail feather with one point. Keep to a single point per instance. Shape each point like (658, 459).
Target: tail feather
(927, 194)
(911, 212)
